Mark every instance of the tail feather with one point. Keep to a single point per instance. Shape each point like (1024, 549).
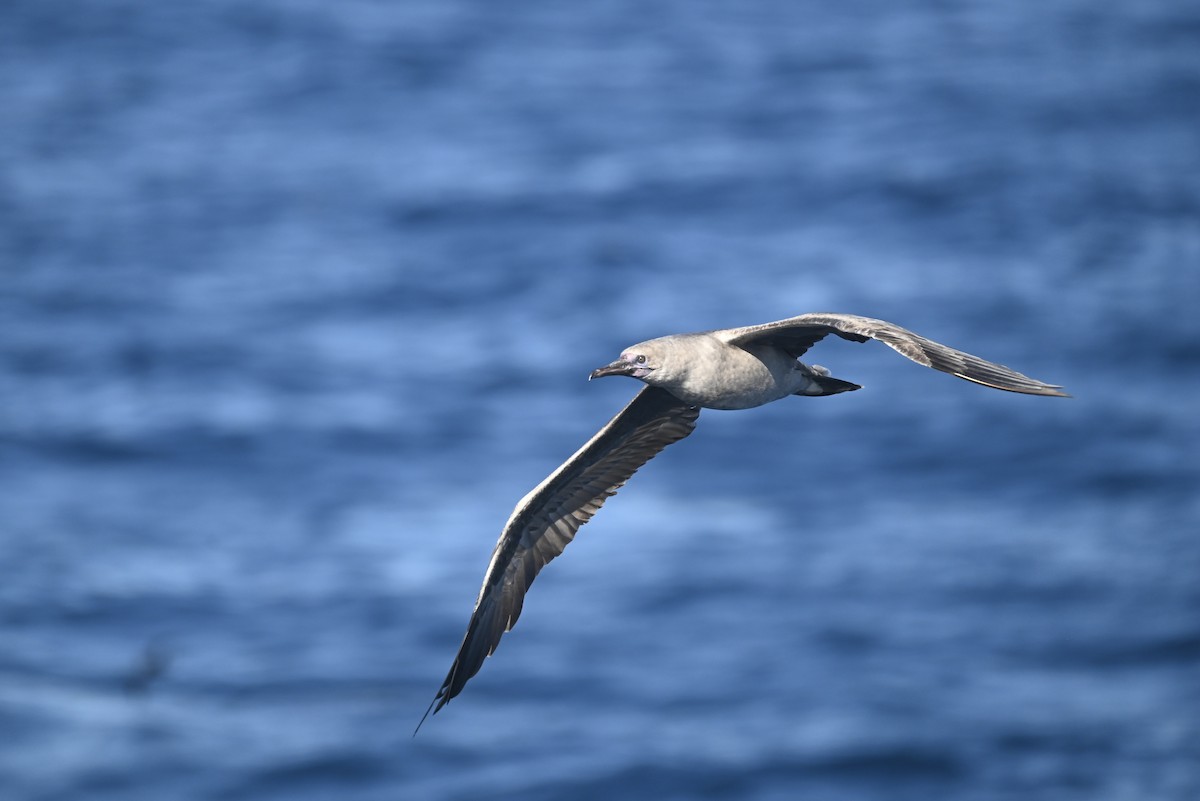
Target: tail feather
(824, 384)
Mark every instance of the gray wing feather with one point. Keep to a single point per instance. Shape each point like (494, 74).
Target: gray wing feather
(798, 334)
(547, 518)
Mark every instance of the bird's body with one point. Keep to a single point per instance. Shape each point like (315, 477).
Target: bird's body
(734, 368)
(733, 377)
(736, 378)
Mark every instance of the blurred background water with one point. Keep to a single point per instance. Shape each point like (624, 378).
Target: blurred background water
(298, 298)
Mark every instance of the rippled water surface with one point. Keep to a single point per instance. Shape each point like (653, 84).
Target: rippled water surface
(297, 299)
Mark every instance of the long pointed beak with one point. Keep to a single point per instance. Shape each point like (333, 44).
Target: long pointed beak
(619, 367)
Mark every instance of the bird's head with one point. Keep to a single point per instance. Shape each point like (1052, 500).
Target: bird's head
(644, 360)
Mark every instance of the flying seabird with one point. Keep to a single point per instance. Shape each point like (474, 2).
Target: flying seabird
(733, 368)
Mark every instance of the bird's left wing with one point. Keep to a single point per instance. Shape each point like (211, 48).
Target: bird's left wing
(797, 334)
(547, 518)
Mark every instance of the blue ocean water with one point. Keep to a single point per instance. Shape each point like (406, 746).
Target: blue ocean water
(298, 298)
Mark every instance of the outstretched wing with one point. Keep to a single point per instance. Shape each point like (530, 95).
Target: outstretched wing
(547, 518)
(798, 334)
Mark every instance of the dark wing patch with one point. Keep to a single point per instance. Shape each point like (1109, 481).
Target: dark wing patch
(798, 334)
(547, 518)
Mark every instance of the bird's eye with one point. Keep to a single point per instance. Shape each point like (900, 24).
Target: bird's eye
(641, 359)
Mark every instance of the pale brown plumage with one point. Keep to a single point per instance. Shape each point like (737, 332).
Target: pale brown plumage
(733, 368)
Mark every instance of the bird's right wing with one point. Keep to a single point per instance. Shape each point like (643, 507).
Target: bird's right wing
(547, 518)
